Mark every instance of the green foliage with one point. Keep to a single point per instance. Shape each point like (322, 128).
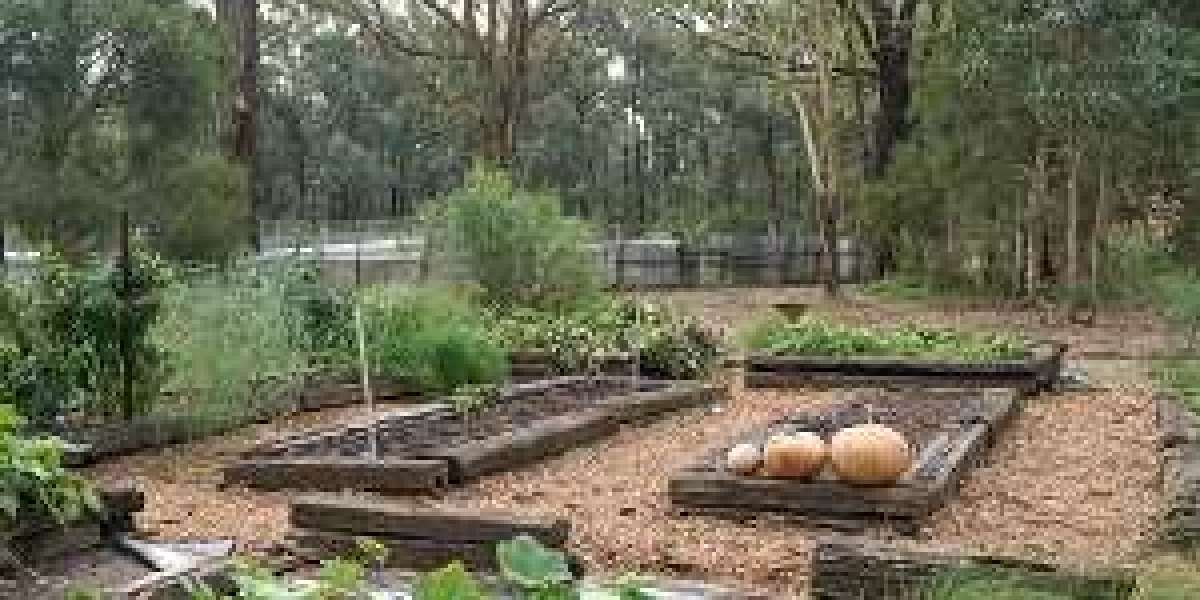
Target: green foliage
(1181, 376)
(1169, 578)
(433, 337)
(451, 582)
(33, 481)
(517, 245)
(1179, 298)
(670, 346)
(61, 341)
(995, 584)
(527, 563)
(110, 107)
(234, 339)
(817, 337)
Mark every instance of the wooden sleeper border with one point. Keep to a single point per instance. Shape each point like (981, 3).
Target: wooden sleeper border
(1032, 374)
(416, 538)
(269, 466)
(706, 488)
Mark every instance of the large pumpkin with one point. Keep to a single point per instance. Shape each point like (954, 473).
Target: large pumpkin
(798, 455)
(870, 455)
(743, 459)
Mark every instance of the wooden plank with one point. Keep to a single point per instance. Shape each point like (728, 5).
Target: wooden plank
(374, 518)
(713, 489)
(330, 473)
(640, 405)
(762, 379)
(542, 439)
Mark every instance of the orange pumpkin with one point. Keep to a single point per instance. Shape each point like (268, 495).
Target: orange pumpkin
(797, 456)
(870, 455)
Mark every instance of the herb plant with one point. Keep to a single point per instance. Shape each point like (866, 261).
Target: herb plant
(33, 482)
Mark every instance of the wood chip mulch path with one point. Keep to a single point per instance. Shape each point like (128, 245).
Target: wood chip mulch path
(1074, 480)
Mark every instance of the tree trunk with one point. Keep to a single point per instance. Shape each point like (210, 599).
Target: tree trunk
(1098, 227)
(1033, 234)
(1075, 159)
(894, 87)
(246, 111)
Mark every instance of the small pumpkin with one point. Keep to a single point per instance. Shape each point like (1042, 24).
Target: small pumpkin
(743, 459)
(798, 455)
(870, 455)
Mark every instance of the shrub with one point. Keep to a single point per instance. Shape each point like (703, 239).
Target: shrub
(62, 345)
(433, 337)
(517, 245)
(33, 481)
(232, 339)
(816, 337)
(1179, 300)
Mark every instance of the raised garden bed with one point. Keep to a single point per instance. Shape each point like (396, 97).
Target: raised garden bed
(415, 538)
(855, 568)
(948, 429)
(1035, 372)
(427, 449)
(87, 445)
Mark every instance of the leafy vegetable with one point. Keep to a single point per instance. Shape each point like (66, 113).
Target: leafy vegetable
(816, 337)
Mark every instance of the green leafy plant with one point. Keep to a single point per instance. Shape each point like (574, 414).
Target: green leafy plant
(66, 333)
(451, 582)
(1179, 299)
(432, 337)
(516, 244)
(817, 337)
(669, 346)
(34, 484)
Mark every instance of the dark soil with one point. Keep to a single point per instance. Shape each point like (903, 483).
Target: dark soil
(416, 435)
(919, 415)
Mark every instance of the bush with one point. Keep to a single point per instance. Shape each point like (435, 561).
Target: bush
(1179, 301)
(33, 481)
(517, 245)
(816, 337)
(433, 337)
(233, 340)
(670, 347)
(61, 344)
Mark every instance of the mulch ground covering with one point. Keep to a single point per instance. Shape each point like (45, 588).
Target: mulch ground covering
(1073, 480)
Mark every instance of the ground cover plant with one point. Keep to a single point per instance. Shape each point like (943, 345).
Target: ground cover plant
(1169, 578)
(34, 485)
(576, 336)
(818, 337)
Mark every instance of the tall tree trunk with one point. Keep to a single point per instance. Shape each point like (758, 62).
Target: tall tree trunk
(1074, 158)
(246, 111)
(1033, 232)
(1098, 227)
(893, 82)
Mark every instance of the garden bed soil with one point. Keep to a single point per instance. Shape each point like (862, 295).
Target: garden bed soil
(435, 446)
(948, 431)
(1034, 373)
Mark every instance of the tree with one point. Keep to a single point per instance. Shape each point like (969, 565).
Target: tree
(106, 100)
